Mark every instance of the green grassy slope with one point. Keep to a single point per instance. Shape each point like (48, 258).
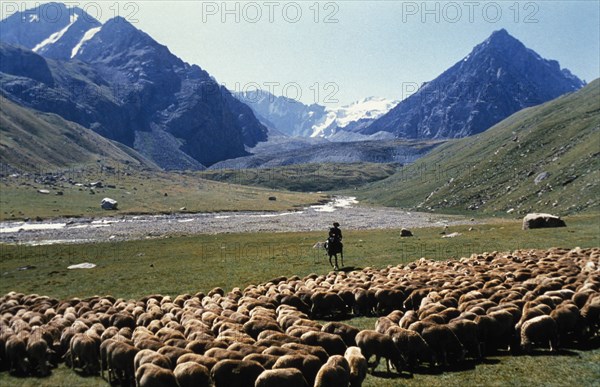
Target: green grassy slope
(188, 264)
(494, 172)
(34, 141)
(306, 177)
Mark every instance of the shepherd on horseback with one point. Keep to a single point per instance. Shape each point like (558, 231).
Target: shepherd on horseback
(334, 245)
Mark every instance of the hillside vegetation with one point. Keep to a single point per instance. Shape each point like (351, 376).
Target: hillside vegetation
(545, 158)
(35, 141)
(306, 177)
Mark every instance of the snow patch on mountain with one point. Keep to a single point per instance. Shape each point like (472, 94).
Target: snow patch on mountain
(55, 37)
(87, 36)
(337, 118)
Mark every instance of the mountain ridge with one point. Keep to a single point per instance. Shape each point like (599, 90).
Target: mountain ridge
(127, 87)
(540, 159)
(498, 78)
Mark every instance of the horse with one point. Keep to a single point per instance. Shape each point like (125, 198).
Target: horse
(334, 248)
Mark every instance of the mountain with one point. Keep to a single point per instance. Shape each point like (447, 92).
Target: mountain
(51, 29)
(353, 117)
(498, 78)
(286, 115)
(35, 141)
(295, 119)
(285, 152)
(541, 159)
(121, 83)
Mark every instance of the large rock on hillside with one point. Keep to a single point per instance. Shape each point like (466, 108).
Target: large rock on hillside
(536, 220)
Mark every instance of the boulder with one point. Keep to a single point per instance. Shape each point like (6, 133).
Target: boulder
(536, 220)
(405, 232)
(109, 204)
(43, 191)
(542, 176)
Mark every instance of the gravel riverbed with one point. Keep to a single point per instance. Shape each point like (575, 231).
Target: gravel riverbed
(314, 218)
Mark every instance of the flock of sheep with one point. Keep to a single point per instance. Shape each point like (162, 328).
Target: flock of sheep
(431, 313)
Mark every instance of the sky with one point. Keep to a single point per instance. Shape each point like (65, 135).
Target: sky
(336, 52)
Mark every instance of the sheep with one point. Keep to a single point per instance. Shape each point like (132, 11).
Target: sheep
(149, 356)
(540, 329)
(267, 361)
(84, 352)
(382, 324)
(467, 332)
(16, 353)
(380, 345)
(309, 365)
(327, 304)
(223, 354)
(173, 353)
(37, 354)
(358, 365)
(346, 332)
(315, 350)
(121, 357)
(151, 375)
(236, 373)
(289, 377)
(412, 346)
(334, 373)
(568, 321)
(191, 374)
(443, 341)
(333, 344)
(591, 314)
(255, 326)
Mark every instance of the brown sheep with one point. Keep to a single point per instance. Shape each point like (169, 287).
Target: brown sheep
(333, 344)
(173, 353)
(315, 350)
(236, 373)
(412, 346)
(288, 377)
(16, 353)
(378, 344)
(37, 354)
(191, 374)
(442, 342)
(208, 362)
(334, 373)
(223, 354)
(540, 329)
(467, 332)
(569, 321)
(383, 323)
(267, 361)
(255, 326)
(346, 332)
(358, 366)
(309, 365)
(327, 304)
(84, 353)
(149, 356)
(120, 362)
(151, 375)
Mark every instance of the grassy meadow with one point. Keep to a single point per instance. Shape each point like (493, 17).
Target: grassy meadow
(188, 264)
(137, 192)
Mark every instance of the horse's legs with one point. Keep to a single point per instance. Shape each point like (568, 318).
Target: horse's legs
(330, 263)
(342, 255)
(336, 262)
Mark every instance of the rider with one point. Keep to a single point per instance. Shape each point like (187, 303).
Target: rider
(335, 234)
